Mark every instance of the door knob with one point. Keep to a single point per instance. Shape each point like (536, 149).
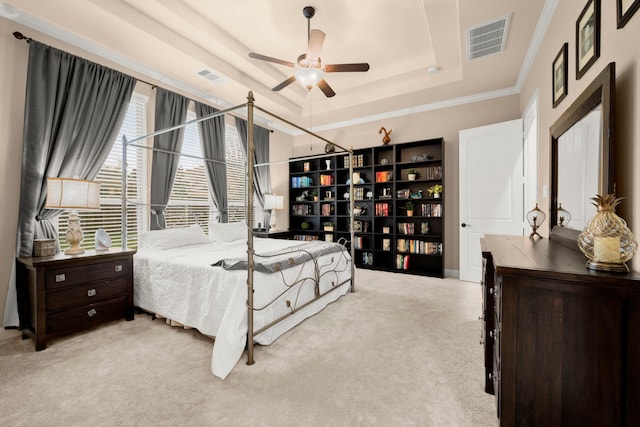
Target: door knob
(465, 225)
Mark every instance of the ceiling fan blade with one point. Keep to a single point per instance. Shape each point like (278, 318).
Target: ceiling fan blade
(316, 38)
(340, 68)
(325, 88)
(284, 84)
(270, 59)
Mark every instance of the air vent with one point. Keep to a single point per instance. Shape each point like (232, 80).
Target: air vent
(487, 38)
(210, 75)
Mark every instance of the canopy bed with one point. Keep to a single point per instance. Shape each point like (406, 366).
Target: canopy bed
(197, 280)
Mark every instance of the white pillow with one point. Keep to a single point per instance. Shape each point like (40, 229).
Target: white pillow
(227, 232)
(173, 238)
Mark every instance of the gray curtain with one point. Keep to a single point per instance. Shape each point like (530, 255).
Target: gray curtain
(171, 110)
(74, 109)
(212, 141)
(262, 174)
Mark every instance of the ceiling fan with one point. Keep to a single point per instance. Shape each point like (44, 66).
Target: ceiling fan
(310, 70)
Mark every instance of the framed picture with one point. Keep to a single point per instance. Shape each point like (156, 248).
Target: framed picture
(559, 76)
(587, 37)
(626, 9)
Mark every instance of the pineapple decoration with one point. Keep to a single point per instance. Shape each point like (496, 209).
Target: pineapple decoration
(606, 240)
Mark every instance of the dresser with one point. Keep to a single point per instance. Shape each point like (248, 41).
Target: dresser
(562, 343)
(62, 294)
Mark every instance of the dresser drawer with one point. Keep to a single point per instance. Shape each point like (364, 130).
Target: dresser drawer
(85, 294)
(86, 316)
(66, 276)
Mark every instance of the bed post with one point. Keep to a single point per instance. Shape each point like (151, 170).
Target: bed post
(123, 214)
(351, 222)
(249, 216)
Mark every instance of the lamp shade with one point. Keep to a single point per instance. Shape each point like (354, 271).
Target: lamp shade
(71, 193)
(273, 201)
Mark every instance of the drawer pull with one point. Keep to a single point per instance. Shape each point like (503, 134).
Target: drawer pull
(118, 268)
(92, 312)
(61, 277)
(91, 293)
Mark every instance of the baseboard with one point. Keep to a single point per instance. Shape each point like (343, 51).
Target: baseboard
(455, 274)
(9, 333)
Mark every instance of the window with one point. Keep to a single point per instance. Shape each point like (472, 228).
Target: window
(109, 217)
(190, 201)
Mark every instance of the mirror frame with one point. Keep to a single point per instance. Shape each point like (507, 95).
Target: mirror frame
(600, 91)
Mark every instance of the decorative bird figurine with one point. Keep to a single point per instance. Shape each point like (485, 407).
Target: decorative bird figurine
(386, 138)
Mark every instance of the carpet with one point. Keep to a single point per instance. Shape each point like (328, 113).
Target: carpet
(400, 351)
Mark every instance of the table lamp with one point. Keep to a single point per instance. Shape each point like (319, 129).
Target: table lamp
(271, 203)
(73, 194)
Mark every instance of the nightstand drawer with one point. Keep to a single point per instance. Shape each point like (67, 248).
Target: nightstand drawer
(86, 316)
(66, 276)
(85, 294)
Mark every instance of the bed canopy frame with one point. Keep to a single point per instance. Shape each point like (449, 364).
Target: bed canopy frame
(250, 165)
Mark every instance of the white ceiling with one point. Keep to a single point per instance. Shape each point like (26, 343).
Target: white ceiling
(170, 41)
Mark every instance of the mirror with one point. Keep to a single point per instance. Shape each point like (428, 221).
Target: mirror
(582, 163)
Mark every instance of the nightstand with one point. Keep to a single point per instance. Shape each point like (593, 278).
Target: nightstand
(278, 234)
(62, 294)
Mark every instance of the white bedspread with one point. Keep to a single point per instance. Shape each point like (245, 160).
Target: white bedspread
(181, 284)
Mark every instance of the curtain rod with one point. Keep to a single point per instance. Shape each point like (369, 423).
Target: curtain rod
(20, 36)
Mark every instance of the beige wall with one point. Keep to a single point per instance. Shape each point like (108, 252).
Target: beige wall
(619, 46)
(13, 69)
(446, 123)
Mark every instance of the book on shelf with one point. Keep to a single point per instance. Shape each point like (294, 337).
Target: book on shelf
(358, 161)
(432, 209)
(402, 262)
(301, 181)
(406, 228)
(301, 210)
(416, 246)
(304, 237)
(384, 176)
(326, 179)
(382, 209)
(433, 172)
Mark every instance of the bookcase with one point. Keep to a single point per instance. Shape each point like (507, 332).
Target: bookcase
(388, 235)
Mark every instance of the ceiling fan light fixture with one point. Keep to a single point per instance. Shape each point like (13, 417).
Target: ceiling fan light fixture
(309, 77)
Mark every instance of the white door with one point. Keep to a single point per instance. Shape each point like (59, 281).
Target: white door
(491, 189)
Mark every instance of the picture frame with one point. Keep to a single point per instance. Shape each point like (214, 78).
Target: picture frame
(625, 10)
(587, 37)
(559, 76)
